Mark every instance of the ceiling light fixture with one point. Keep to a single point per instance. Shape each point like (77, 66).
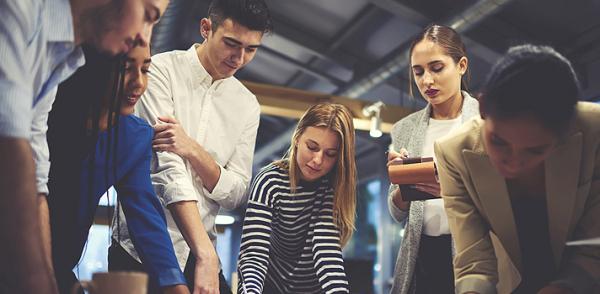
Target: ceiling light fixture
(374, 112)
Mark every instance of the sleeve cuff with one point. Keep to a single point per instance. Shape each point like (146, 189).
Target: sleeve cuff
(42, 170)
(222, 188)
(171, 277)
(476, 285)
(177, 192)
(42, 188)
(398, 214)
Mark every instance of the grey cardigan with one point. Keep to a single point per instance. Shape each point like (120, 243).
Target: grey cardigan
(409, 133)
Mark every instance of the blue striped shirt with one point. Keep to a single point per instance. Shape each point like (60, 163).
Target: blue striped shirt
(38, 52)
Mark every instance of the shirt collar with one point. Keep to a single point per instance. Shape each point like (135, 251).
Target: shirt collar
(58, 18)
(199, 72)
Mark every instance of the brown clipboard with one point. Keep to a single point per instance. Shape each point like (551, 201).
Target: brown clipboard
(409, 171)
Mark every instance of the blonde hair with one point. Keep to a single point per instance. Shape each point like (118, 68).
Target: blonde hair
(338, 119)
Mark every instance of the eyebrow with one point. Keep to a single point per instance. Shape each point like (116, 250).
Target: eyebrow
(539, 147)
(429, 63)
(240, 43)
(315, 142)
(129, 59)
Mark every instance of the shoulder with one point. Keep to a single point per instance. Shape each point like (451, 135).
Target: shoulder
(272, 174)
(271, 180)
(588, 115)
(470, 106)
(408, 122)
(137, 130)
(466, 137)
(23, 16)
(167, 62)
(167, 57)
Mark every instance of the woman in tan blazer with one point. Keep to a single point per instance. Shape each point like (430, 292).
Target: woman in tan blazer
(524, 179)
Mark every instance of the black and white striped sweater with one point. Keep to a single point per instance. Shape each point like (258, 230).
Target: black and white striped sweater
(289, 241)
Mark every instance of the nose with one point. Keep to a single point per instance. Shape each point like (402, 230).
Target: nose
(427, 79)
(318, 158)
(513, 160)
(238, 56)
(136, 80)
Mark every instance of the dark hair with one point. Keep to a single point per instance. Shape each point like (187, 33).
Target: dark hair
(253, 14)
(449, 40)
(80, 100)
(534, 81)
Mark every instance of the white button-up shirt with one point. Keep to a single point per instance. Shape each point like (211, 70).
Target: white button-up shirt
(37, 52)
(222, 116)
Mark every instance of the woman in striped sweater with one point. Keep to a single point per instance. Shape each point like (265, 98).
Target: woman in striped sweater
(301, 210)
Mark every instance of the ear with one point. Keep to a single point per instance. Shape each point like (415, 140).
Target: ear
(463, 65)
(205, 27)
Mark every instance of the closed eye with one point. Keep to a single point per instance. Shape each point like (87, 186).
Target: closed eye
(417, 71)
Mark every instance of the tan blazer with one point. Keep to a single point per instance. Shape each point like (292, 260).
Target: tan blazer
(480, 216)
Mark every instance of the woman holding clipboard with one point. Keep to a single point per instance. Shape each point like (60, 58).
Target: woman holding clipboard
(438, 65)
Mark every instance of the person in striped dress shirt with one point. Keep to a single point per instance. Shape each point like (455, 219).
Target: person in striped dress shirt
(301, 210)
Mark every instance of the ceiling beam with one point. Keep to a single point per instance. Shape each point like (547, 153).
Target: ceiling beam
(359, 21)
(292, 103)
(311, 44)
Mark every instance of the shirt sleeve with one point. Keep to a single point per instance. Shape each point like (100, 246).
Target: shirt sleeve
(147, 225)
(39, 143)
(17, 26)
(231, 188)
(327, 253)
(253, 260)
(397, 214)
(170, 177)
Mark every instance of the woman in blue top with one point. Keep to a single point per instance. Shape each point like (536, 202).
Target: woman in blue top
(99, 147)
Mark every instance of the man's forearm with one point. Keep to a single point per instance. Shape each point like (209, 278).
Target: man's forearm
(205, 166)
(44, 214)
(24, 265)
(187, 217)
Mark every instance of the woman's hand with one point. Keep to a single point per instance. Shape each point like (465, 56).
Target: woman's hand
(431, 188)
(170, 136)
(396, 157)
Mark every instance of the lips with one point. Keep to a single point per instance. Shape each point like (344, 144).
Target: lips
(232, 67)
(132, 99)
(313, 170)
(431, 92)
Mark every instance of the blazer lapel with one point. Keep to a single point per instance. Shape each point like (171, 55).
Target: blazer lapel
(562, 177)
(493, 196)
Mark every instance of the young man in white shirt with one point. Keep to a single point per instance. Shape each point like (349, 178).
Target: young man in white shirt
(205, 123)
(39, 48)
